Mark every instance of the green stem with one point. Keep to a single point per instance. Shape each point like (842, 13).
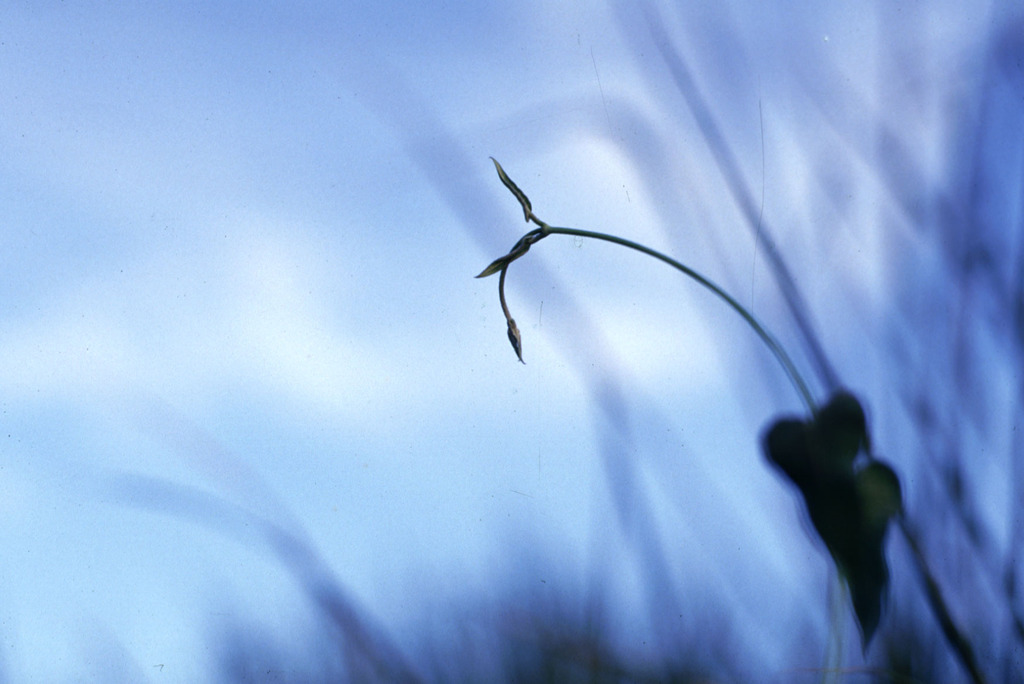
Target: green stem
(501, 293)
(766, 337)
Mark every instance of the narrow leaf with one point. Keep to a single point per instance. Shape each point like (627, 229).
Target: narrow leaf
(495, 266)
(514, 189)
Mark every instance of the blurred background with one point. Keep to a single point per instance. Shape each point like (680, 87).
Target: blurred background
(258, 422)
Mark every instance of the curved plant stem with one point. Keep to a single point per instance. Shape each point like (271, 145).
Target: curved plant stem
(513, 331)
(766, 337)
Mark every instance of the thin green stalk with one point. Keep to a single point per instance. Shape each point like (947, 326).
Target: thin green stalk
(513, 331)
(766, 337)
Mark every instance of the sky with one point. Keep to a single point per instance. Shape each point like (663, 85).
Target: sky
(237, 249)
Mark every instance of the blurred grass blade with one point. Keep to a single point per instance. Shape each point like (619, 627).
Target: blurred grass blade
(520, 195)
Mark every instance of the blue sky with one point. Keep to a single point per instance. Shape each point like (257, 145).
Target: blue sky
(237, 251)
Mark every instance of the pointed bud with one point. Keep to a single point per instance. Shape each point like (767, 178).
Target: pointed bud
(515, 339)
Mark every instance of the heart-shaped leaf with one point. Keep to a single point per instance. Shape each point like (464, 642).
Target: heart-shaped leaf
(878, 491)
(840, 431)
(850, 508)
(787, 447)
